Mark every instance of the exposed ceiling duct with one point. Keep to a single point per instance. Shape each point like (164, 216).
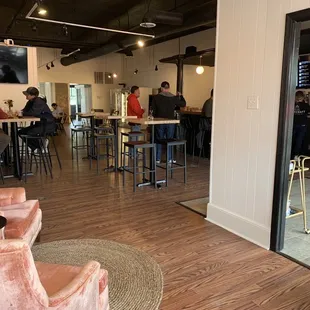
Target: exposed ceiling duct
(197, 19)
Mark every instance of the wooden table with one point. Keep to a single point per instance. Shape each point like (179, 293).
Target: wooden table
(153, 122)
(15, 140)
(114, 119)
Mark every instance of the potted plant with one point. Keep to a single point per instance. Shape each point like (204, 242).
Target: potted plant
(9, 103)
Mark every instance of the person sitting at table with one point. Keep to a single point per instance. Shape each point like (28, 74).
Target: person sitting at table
(37, 107)
(163, 106)
(57, 111)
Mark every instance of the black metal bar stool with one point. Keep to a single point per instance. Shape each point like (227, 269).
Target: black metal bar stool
(41, 154)
(132, 134)
(51, 139)
(75, 140)
(135, 146)
(172, 164)
(109, 144)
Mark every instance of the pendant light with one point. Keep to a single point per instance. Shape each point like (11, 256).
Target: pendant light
(200, 69)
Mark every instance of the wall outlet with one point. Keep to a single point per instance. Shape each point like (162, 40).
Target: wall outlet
(253, 102)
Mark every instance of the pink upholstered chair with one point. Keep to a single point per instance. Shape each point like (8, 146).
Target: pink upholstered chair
(24, 217)
(26, 285)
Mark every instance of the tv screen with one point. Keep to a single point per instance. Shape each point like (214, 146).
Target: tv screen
(13, 65)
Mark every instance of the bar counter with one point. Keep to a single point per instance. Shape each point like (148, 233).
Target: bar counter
(191, 132)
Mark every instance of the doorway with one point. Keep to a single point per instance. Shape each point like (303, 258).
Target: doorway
(289, 230)
(80, 98)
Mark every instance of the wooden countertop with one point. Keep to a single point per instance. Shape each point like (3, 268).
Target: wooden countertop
(155, 121)
(102, 115)
(20, 120)
(191, 112)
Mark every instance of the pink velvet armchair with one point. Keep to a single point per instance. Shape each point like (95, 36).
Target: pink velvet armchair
(24, 217)
(26, 285)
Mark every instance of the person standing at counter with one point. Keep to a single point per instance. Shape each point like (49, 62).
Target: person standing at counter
(208, 107)
(301, 111)
(134, 109)
(163, 106)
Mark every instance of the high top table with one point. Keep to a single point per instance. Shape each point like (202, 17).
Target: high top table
(15, 140)
(153, 122)
(106, 116)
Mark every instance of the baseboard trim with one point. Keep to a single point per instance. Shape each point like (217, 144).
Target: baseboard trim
(239, 226)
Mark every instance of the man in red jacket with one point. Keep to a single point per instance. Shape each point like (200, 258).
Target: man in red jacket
(134, 108)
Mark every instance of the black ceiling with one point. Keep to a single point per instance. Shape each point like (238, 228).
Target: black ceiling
(120, 14)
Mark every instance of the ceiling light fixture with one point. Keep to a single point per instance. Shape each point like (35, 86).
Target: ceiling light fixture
(200, 69)
(147, 25)
(109, 76)
(136, 71)
(115, 75)
(52, 64)
(42, 11)
(156, 68)
(140, 43)
(48, 67)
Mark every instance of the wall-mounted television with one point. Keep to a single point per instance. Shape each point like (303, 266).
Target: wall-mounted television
(13, 65)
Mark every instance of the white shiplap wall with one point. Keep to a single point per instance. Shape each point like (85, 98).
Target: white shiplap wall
(250, 37)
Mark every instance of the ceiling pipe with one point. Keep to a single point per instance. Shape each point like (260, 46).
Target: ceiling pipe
(28, 16)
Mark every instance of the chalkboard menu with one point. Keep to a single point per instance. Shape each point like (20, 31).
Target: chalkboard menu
(303, 72)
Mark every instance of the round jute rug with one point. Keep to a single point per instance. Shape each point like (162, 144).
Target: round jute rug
(135, 279)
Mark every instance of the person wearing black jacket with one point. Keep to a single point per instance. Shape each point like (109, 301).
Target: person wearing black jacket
(37, 107)
(163, 106)
(301, 111)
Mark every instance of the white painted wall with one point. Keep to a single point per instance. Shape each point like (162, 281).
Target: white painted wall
(14, 91)
(82, 73)
(196, 87)
(250, 39)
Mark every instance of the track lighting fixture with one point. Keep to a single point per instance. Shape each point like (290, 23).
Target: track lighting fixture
(65, 30)
(52, 64)
(140, 43)
(41, 9)
(115, 75)
(34, 27)
(48, 67)
(136, 71)
(156, 68)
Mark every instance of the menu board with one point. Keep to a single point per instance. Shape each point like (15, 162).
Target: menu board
(303, 72)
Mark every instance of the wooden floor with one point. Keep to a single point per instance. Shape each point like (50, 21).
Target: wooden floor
(204, 266)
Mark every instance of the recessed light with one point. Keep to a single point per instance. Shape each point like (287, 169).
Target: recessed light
(140, 43)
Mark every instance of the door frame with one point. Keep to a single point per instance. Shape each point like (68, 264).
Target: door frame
(285, 125)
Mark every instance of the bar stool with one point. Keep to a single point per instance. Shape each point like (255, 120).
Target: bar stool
(74, 138)
(51, 138)
(129, 135)
(171, 166)
(42, 155)
(135, 146)
(109, 141)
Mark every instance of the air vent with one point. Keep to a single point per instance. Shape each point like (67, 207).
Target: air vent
(98, 77)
